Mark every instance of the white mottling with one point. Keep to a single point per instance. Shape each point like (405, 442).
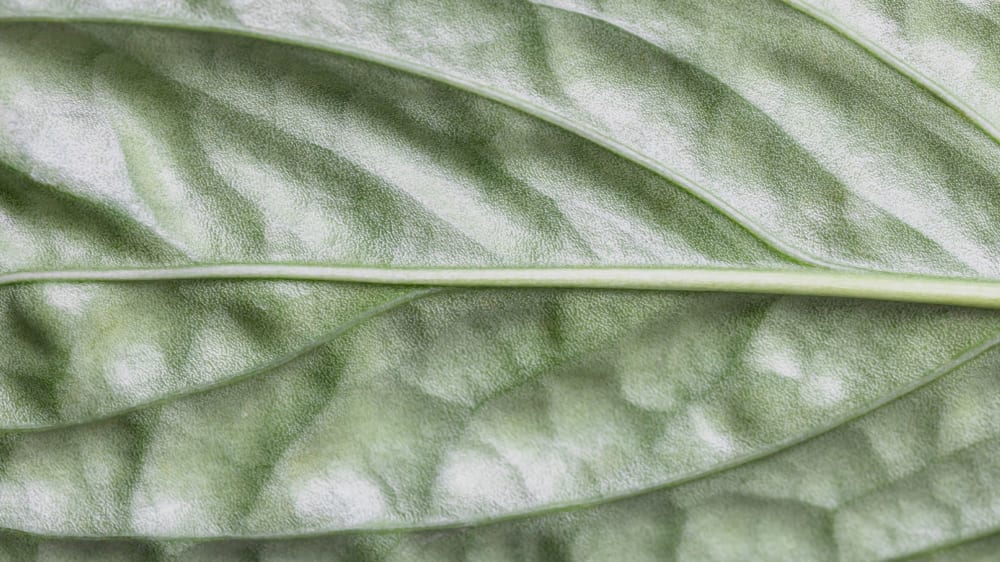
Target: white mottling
(880, 181)
(137, 371)
(870, 23)
(978, 5)
(50, 138)
(474, 482)
(453, 199)
(958, 70)
(443, 36)
(166, 515)
(290, 289)
(709, 433)
(16, 247)
(637, 389)
(6, 221)
(296, 224)
(633, 235)
(162, 7)
(944, 58)
(68, 298)
(9, 406)
(343, 497)
(46, 130)
(772, 354)
(625, 109)
(220, 346)
(823, 391)
(782, 362)
(35, 505)
(335, 18)
(99, 472)
(547, 473)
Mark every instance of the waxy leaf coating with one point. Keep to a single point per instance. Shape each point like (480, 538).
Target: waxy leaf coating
(520, 280)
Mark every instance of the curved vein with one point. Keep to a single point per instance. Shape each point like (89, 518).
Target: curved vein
(95, 207)
(899, 65)
(629, 29)
(956, 291)
(942, 547)
(774, 449)
(242, 376)
(483, 90)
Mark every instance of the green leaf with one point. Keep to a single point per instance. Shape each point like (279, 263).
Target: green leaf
(499, 281)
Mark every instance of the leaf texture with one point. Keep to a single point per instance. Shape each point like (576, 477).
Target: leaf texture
(190, 370)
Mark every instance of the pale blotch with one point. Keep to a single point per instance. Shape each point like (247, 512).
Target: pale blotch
(342, 497)
(546, 472)
(880, 183)
(296, 224)
(47, 130)
(71, 299)
(773, 355)
(335, 18)
(823, 391)
(946, 59)
(291, 289)
(34, 505)
(167, 6)
(220, 347)
(872, 24)
(634, 236)
(978, 5)
(638, 390)
(137, 371)
(9, 406)
(783, 363)
(16, 247)
(706, 429)
(474, 482)
(961, 70)
(167, 515)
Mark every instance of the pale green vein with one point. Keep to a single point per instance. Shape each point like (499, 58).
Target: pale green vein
(631, 29)
(973, 292)
(518, 103)
(940, 546)
(774, 449)
(251, 372)
(736, 462)
(899, 65)
(944, 547)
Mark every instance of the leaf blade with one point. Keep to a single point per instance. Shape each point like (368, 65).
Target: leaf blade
(213, 149)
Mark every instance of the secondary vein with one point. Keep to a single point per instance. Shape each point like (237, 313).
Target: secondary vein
(896, 63)
(248, 373)
(512, 100)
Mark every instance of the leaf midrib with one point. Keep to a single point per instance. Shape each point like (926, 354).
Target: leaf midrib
(884, 286)
(899, 287)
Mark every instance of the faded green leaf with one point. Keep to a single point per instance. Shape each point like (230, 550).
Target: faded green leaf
(361, 280)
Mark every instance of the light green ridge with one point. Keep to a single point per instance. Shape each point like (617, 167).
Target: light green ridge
(900, 65)
(386, 281)
(526, 106)
(982, 293)
(953, 364)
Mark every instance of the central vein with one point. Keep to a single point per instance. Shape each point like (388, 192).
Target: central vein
(883, 286)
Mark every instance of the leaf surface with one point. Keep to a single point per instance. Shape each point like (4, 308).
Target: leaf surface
(360, 280)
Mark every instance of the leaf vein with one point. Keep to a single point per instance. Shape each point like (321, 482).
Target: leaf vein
(536, 111)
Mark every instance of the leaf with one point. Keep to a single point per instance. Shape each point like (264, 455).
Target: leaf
(359, 280)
